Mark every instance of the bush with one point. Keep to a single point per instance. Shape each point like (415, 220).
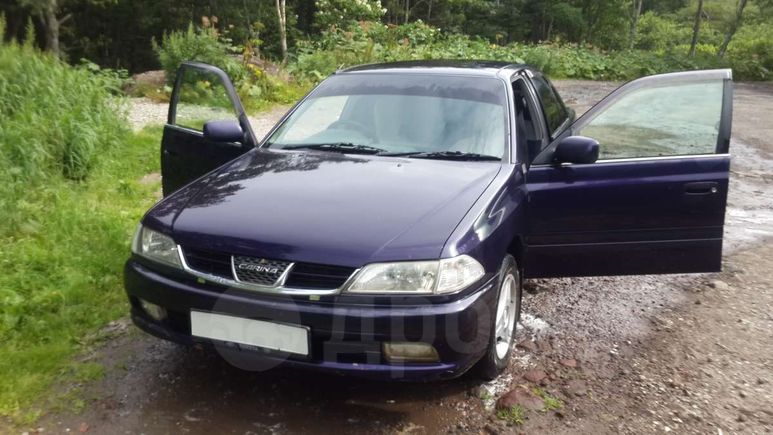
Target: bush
(751, 52)
(374, 42)
(197, 44)
(255, 86)
(658, 33)
(345, 13)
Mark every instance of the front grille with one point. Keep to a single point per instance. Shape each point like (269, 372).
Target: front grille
(318, 276)
(258, 270)
(266, 272)
(213, 263)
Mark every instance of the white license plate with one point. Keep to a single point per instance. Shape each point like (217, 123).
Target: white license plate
(269, 335)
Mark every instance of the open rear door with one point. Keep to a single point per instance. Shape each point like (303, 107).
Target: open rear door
(655, 200)
(202, 93)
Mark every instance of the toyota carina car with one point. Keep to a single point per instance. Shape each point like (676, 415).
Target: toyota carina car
(385, 225)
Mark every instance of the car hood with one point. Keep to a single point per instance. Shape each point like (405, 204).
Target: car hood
(329, 208)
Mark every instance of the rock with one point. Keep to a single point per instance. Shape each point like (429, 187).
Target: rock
(492, 430)
(576, 387)
(741, 418)
(534, 288)
(571, 363)
(719, 285)
(83, 428)
(544, 345)
(527, 345)
(520, 397)
(535, 376)
(155, 78)
(481, 392)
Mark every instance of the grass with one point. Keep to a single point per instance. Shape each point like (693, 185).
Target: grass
(549, 403)
(514, 415)
(61, 271)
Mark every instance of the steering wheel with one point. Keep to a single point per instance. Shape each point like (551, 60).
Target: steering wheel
(348, 124)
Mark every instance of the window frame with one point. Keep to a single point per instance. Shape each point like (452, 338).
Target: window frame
(566, 122)
(535, 104)
(236, 110)
(508, 155)
(687, 77)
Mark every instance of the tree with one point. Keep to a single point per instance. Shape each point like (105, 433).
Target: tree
(281, 11)
(346, 13)
(733, 28)
(49, 14)
(637, 4)
(696, 28)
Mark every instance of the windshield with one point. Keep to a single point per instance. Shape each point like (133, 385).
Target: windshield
(400, 114)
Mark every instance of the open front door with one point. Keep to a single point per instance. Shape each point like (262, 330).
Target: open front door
(190, 148)
(655, 200)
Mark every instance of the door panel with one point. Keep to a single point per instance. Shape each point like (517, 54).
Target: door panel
(202, 93)
(656, 202)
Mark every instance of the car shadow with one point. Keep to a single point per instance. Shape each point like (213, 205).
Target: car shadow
(156, 386)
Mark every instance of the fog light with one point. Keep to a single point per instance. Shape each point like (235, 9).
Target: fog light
(410, 352)
(155, 312)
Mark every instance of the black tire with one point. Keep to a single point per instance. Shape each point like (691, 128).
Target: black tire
(491, 364)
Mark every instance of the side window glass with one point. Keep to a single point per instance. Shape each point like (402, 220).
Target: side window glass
(202, 98)
(529, 131)
(669, 120)
(555, 112)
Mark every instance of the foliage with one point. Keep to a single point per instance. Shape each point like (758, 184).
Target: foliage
(549, 402)
(345, 13)
(97, 28)
(60, 272)
(375, 42)
(198, 44)
(57, 120)
(751, 52)
(515, 415)
(659, 33)
(70, 198)
(255, 86)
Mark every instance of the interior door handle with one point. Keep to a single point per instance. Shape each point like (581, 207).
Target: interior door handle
(701, 188)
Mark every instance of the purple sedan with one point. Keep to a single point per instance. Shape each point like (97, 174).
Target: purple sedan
(385, 225)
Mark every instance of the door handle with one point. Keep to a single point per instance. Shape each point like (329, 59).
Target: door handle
(701, 188)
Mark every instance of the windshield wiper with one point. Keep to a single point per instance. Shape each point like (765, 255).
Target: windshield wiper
(445, 155)
(342, 147)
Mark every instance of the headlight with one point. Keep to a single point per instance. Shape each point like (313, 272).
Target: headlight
(418, 277)
(155, 246)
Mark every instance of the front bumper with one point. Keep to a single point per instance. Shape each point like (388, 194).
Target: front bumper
(345, 337)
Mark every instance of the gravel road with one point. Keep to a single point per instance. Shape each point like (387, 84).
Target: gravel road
(144, 112)
(648, 354)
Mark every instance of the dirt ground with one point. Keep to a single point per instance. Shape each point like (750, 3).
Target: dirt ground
(648, 354)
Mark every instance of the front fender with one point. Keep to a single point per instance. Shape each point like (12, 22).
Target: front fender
(494, 222)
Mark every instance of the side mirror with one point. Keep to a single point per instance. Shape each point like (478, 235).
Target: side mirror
(576, 149)
(223, 131)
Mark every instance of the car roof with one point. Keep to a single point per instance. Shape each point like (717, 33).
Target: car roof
(442, 67)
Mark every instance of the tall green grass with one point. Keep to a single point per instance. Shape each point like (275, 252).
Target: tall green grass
(61, 272)
(56, 121)
(70, 196)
